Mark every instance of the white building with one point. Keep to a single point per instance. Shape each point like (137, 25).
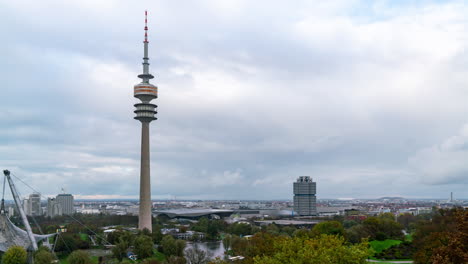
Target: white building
(66, 202)
(53, 207)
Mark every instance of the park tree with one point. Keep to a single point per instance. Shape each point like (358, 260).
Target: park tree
(443, 240)
(240, 229)
(407, 221)
(201, 225)
(66, 242)
(357, 233)
(381, 228)
(175, 260)
(326, 249)
(260, 243)
(288, 230)
(349, 223)
(329, 228)
(79, 257)
(143, 246)
(302, 232)
(172, 247)
(144, 232)
(43, 256)
(120, 249)
(15, 255)
(272, 229)
(157, 236)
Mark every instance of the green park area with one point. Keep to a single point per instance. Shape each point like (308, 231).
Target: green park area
(379, 238)
(379, 246)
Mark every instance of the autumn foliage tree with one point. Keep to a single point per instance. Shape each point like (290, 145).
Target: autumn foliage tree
(443, 240)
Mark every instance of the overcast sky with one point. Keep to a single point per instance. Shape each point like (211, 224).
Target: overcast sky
(370, 98)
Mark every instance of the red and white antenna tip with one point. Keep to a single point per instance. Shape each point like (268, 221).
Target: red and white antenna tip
(146, 26)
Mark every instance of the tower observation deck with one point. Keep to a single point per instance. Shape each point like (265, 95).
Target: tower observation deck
(145, 113)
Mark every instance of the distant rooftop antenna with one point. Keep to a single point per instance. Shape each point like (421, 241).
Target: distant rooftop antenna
(146, 26)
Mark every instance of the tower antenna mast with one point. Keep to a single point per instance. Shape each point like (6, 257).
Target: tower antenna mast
(145, 113)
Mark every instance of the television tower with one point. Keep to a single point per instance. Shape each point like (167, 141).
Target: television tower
(145, 112)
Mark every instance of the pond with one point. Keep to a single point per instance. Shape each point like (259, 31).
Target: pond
(214, 248)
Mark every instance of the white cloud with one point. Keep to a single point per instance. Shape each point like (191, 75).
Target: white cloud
(444, 163)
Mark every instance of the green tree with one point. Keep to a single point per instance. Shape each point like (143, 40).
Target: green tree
(272, 229)
(120, 249)
(356, 233)
(240, 229)
(43, 256)
(180, 247)
(143, 246)
(329, 228)
(406, 220)
(326, 249)
(15, 255)
(172, 247)
(157, 236)
(349, 223)
(66, 242)
(79, 257)
(201, 225)
(288, 230)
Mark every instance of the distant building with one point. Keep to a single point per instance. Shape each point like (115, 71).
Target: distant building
(11, 211)
(53, 207)
(66, 202)
(305, 201)
(189, 235)
(35, 204)
(27, 206)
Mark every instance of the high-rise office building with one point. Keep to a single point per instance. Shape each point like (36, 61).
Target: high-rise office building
(66, 203)
(305, 201)
(35, 200)
(145, 111)
(27, 206)
(53, 207)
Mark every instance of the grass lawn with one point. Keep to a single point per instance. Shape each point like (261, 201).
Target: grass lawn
(159, 256)
(409, 237)
(83, 237)
(379, 246)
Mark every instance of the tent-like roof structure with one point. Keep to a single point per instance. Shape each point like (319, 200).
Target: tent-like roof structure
(11, 235)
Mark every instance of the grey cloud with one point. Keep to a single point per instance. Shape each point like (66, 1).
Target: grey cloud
(255, 96)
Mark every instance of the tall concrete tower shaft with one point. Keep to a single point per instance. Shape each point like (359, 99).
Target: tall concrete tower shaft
(145, 113)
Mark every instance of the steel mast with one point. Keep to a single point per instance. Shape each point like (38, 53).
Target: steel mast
(20, 209)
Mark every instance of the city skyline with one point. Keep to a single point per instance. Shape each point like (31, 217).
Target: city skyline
(370, 96)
